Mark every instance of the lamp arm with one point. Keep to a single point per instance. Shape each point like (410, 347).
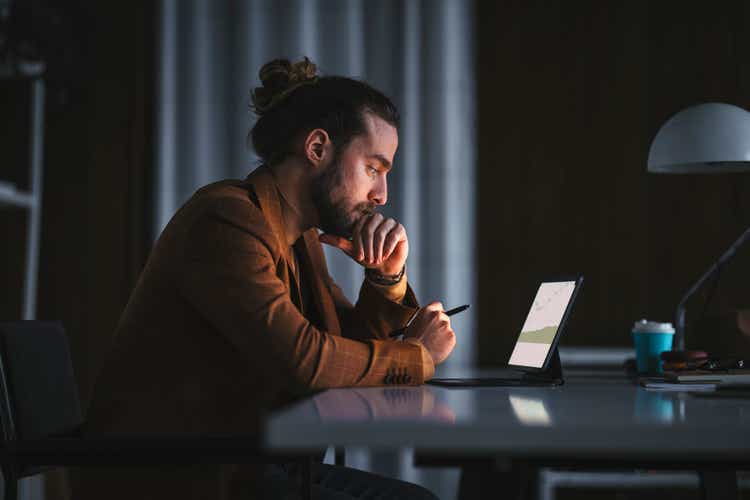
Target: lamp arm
(680, 312)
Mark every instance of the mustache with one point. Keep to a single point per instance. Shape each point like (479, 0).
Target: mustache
(368, 209)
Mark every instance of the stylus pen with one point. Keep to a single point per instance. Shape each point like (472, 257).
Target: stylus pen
(449, 312)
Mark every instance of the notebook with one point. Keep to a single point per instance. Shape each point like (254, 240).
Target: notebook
(725, 377)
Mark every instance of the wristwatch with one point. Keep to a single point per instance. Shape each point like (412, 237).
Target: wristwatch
(384, 279)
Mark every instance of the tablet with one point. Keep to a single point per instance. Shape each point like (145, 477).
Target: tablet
(544, 324)
(534, 360)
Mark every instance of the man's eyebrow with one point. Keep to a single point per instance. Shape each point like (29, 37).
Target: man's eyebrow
(382, 159)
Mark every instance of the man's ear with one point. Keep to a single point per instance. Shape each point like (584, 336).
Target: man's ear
(318, 147)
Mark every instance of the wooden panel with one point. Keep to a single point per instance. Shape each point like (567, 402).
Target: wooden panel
(570, 96)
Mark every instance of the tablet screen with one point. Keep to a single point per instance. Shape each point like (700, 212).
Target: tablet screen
(542, 323)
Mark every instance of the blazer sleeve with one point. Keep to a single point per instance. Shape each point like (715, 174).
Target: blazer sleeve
(374, 316)
(229, 276)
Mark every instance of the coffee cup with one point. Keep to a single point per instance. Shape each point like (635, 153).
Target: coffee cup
(650, 339)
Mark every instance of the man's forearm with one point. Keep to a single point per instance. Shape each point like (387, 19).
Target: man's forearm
(394, 293)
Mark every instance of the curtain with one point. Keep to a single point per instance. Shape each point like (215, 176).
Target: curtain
(420, 53)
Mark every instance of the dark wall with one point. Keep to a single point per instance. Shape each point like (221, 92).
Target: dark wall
(98, 159)
(571, 94)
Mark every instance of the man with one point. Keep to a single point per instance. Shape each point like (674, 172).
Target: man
(235, 313)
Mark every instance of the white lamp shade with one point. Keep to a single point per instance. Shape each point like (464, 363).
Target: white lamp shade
(709, 138)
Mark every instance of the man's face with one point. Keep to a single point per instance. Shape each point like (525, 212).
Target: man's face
(354, 182)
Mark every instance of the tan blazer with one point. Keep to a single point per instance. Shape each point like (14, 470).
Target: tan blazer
(213, 336)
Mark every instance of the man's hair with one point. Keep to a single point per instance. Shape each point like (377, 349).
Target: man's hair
(294, 100)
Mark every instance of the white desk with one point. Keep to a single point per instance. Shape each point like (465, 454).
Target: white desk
(591, 419)
(597, 418)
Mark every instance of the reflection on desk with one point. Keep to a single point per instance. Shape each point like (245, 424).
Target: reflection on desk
(530, 411)
(656, 406)
(382, 403)
(588, 416)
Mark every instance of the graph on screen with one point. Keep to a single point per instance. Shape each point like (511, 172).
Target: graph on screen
(542, 323)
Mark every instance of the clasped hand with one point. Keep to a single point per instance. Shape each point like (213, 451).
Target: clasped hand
(377, 242)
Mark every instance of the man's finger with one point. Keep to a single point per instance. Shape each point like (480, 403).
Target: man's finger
(394, 237)
(367, 236)
(434, 306)
(337, 241)
(379, 238)
(359, 252)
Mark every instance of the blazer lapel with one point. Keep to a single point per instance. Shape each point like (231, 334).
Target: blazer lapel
(312, 259)
(314, 265)
(265, 188)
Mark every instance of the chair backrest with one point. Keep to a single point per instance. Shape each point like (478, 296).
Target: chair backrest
(38, 392)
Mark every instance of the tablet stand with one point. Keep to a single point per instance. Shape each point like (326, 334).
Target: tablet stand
(553, 375)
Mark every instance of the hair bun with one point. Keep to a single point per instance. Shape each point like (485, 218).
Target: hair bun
(278, 79)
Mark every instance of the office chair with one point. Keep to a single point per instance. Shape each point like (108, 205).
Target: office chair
(42, 421)
(38, 393)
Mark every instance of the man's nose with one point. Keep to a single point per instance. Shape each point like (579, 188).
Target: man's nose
(379, 194)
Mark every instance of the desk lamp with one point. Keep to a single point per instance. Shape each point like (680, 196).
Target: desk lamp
(711, 138)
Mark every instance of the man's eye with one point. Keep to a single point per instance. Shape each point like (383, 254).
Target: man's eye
(372, 170)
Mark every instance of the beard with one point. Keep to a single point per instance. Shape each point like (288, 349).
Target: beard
(336, 216)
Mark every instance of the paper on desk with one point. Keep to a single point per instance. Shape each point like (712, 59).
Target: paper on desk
(725, 377)
(660, 385)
